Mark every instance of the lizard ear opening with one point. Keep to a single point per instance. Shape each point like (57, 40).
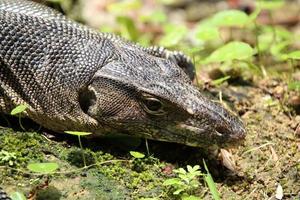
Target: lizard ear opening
(87, 99)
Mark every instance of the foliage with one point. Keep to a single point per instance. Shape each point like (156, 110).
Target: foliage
(19, 109)
(211, 184)
(128, 28)
(295, 55)
(119, 7)
(269, 5)
(7, 157)
(271, 42)
(43, 168)
(231, 51)
(136, 154)
(206, 32)
(173, 34)
(17, 196)
(294, 85)
(231, 18)
(75, 157)
(220, 80)
(78, 133)
(186, 181)
(140, 161)
(19, 148)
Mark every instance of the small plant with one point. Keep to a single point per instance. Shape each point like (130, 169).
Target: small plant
(78, 133)
(18, 111)
(138, 161)
(7, 157)
(186, 183)
(43, 169)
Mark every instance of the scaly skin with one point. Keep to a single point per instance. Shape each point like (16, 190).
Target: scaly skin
(3, 195)
(74, 78)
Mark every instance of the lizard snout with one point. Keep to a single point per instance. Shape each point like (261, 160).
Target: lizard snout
(230, 133)
(212, 123)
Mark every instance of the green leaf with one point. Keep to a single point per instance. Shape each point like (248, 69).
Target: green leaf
(194, 169)
(128, 28)
(194, 183)
(17, 196)
(136, 154)
(265, 41)
(269, 5)
(173, 35)
(78, 133)
(211, 184)
(184, 177)
(294, 86)
(231, 51)
(277, 48)
(206, 33)
(253, 16)
(232, 18)
(19, 109)
(178, 191)
(295, 55)
(124, 6)
(172, 181)
(281, 33)
(219, 81)
(157, 16)
(189, 168)
(180, 171)
(44, 168)
(191, 197)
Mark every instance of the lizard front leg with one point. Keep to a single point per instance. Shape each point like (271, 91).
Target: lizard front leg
(177, 57)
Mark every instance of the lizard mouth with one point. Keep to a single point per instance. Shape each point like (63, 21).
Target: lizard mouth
(204, 136)
(217, 133)
(198, 137)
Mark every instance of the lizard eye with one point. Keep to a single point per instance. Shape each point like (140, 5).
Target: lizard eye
(153, 106)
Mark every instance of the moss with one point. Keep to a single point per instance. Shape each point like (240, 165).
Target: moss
(104, 187)
(49, 193)
(109, 181)
(75, 157)
(25, 146)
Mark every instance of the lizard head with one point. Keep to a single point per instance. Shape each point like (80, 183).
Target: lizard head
(152, 97)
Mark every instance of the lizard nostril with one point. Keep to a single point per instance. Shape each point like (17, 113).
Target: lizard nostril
(223, 130)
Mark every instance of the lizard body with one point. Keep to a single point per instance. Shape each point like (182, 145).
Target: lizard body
(75, 78)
